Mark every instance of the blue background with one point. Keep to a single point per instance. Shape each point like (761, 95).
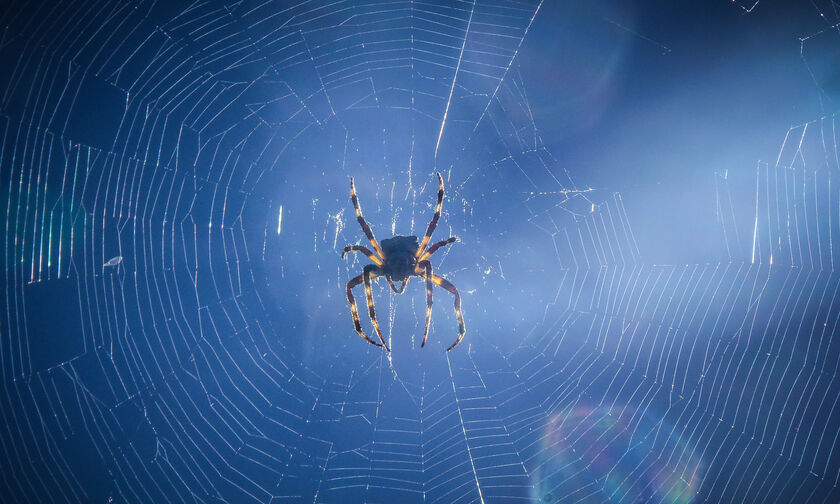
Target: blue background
(646, 200)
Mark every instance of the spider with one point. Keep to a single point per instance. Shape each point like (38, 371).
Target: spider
(398, 259)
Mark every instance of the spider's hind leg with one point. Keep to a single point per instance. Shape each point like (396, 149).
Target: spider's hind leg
(442, 282)
(369, 272)
(427, 274)
(394, 287)
(354, 310)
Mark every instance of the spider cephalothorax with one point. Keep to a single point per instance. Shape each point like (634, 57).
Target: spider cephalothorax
(398, 259)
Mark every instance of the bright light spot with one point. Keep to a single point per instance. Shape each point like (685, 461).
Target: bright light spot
(114, 261)
(280, 220)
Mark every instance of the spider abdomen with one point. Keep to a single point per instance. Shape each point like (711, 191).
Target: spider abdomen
(400, 256)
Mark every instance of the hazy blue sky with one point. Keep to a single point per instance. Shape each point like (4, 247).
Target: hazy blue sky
(651, 98)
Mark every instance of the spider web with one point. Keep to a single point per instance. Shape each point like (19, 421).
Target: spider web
(175, 327)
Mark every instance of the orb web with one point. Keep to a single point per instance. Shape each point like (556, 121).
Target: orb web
(176, 180)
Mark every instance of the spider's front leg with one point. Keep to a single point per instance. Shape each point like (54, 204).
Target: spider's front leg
(434, 248)
(353, 309)
(362, 222)
(364, 250)
(433, 223)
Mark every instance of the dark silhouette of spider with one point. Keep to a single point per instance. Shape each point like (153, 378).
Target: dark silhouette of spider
(398, 259)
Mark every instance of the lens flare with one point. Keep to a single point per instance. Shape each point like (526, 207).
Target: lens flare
(598, 454)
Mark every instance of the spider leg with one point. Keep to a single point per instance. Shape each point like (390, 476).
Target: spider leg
(434, 248)
(370, 271)
(362, 222)
(354, 310)
(394, 287)
(364, 250)
(427, 274)
(433, 223)
(442, 282)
